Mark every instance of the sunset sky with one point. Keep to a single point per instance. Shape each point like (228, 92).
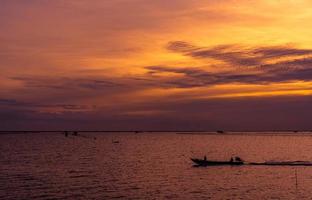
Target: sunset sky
(155, 64)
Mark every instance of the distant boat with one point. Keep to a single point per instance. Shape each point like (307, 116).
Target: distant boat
(115, 141)
(136, 132)
(220, 131)
(203, 162)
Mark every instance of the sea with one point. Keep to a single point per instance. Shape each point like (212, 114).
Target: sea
(155, 165)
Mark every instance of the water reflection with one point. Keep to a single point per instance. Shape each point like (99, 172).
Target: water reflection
(151, 166)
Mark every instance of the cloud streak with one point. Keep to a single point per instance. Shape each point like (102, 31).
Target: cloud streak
(66, 82)
(20, 105)
(252, 65)
(235, 55)
(201, 78)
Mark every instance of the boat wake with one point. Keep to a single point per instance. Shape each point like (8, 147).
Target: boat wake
(205, 163)
(284, 163)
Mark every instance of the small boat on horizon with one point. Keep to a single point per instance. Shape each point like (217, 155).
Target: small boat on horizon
(204, 162)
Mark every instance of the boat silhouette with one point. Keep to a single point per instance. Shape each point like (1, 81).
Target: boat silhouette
(204, 162)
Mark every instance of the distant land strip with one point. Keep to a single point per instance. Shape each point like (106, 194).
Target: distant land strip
(155, 131)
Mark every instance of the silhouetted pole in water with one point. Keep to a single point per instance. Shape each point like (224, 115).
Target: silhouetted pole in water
(115, 141)
(296, 180)
(66, 134)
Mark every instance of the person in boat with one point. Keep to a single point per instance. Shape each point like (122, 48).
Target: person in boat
(205, 158)
(231, 160)
(238, 159)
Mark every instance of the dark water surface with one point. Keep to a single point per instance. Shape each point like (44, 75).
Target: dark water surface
(151, 166)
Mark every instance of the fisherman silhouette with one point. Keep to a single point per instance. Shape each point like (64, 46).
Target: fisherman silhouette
(238, 159)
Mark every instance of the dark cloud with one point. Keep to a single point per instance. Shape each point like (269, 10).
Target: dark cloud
(234, 58)
(196, 77)
(181, 46)
(8, 102)
(236, 55)
(297, 65)
(294, 75)
(66, 82)
(20, 105)
(226, 53)
(288, 66)
(280, 51)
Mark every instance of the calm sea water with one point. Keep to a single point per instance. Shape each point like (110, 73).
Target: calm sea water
(151, 166)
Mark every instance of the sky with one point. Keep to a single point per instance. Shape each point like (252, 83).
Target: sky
(155, 65)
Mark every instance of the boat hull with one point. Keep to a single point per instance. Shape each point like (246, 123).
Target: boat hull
(201, 162)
